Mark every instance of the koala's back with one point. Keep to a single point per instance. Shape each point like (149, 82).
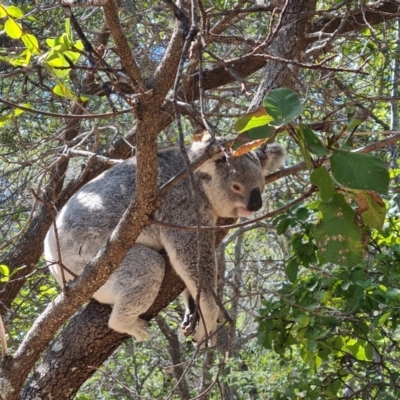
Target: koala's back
(89, 217)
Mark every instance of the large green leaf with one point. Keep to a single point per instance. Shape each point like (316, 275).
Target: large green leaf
(253, 120)
(338, 236)
(360, 171)
(312, 141)
(321, 178)
(283, 105)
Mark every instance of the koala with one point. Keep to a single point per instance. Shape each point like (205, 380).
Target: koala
(227, 188)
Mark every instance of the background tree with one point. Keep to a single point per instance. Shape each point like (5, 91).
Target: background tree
(106, 81)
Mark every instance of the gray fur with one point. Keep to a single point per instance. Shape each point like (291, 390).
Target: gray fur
(88, 219)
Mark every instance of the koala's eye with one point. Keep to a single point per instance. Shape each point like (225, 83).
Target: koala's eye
(237, 188)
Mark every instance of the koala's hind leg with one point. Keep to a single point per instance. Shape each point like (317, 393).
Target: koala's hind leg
(182, 251)
(135, 285)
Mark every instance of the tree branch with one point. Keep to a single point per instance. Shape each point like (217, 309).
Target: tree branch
(124, 52)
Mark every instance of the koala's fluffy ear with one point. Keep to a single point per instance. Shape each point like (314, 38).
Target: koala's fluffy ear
(196, 149)
(271, 157)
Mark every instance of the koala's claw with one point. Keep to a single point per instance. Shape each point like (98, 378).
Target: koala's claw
(187, 326)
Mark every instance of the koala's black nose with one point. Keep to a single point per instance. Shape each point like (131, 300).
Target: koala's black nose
(255, 201)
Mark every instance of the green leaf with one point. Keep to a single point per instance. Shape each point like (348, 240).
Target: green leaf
(13, 29)
(54, 42)
(360, 171)
(252, 120)
(15, 12)
(304, 150)
(302, 214)
(354, 122)
(369, 352)
(320, 177)
(283, 105)
(371, 208)
(381, 319)
(282, 226)
(4, 270)
(333, 389)
(393, 173)
(261, 132)
(31, 43)
(73, 55)
(5, 118)
(21, 59)
(338, 236)
(68, 29)
(63, 91)
(54, 61)
(393, 293)
(265, 340)
(292, 270)
(312, 141)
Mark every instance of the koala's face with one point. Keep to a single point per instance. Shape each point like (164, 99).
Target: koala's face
(234, 186)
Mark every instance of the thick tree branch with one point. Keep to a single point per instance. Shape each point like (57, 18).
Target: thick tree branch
(123, 49)
(374, 13)
(164, 75)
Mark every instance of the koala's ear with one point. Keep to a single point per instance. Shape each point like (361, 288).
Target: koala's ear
(271, 157)
(196, 149)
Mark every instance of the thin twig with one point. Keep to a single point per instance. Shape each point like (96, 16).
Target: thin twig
(67, 116)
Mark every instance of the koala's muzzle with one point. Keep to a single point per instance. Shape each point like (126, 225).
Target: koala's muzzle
(255, 200)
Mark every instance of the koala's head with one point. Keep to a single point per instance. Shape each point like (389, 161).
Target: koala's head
(234, 185)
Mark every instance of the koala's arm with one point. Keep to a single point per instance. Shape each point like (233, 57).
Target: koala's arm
(182, 251)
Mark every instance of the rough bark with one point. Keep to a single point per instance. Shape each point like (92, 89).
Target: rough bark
(289, 43)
